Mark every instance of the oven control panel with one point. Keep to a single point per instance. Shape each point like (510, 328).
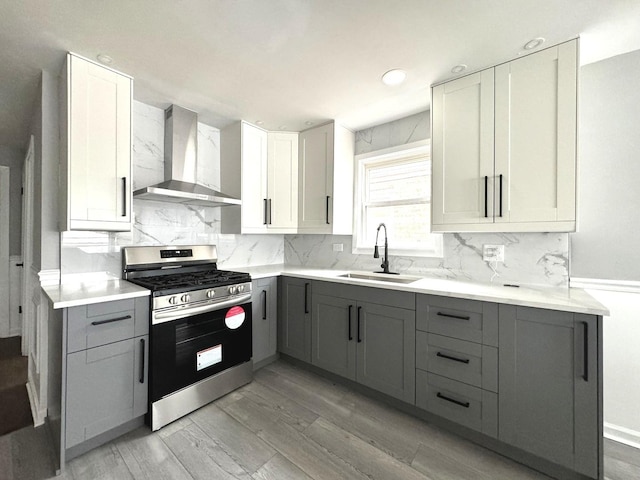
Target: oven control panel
(202, 297)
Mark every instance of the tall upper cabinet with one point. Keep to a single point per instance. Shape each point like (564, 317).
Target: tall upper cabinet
(504, 146)
(261, 168)
(325, 196)
(95, 161)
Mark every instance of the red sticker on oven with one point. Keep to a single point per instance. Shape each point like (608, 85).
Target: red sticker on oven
(234, 317)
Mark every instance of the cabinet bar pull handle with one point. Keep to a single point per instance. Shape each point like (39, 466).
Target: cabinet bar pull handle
(142, 361)
(270, 217)
(117, 319)
(359, 338)
(328, 209)
(124, 196)
(264, 305)
(449, 315)
(500, 194)
(306, 298)
(449, 357)
(585, 349)
(350, 336)
(264, 216)
(486, 197)
(452, 400)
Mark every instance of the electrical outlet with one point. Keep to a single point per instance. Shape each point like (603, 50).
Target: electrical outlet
(493, 253)
(338, 247)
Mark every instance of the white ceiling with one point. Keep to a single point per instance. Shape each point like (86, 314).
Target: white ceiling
(286, 62)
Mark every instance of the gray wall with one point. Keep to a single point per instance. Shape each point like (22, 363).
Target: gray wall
(13, 158)
(606, 245)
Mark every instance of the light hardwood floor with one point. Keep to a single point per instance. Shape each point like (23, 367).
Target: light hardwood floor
(287, 424)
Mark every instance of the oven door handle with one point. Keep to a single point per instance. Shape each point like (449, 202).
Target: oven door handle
(161, 317)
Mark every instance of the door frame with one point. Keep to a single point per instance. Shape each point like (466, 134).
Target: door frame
(5, 198)
(27, 245)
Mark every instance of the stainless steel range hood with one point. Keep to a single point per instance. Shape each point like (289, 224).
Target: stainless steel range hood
(180, 165)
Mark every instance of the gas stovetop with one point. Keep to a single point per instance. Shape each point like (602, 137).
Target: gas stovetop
(191, 280)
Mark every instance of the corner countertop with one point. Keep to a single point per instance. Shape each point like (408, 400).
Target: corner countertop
(574, 300)
(75, 294)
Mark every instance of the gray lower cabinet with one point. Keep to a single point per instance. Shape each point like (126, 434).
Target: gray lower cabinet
(371, 343)
(294, 318)
(264, 299)
(549, 396)
(105, 368)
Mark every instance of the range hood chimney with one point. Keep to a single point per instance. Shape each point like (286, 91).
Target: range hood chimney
(180, 165)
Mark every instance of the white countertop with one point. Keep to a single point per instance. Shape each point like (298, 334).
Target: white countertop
(95, 291)
(555, 298)
(565, 299)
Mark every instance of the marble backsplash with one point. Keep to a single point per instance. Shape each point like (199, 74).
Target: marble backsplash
(161, 223)
(530, 258)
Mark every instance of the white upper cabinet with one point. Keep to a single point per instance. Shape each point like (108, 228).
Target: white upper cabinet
(325, 195)
(95, 147)
(265, 166)
(504, 146)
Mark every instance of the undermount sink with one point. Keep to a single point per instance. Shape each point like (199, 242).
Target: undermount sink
(380, 277)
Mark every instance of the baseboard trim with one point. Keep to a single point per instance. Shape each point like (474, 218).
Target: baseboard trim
(622, 435)
(38, 415)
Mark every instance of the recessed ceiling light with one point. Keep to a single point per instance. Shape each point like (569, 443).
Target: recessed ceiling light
(459, 68)
(308, 123)
(104, 59)
(259, 122)
(394, 77)
(535, 43)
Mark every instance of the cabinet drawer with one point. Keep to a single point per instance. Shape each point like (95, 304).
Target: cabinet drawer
(469, 320)
(460, 360)
(102, 323)
(463, 404)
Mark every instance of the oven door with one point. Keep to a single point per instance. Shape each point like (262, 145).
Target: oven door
(192, 348)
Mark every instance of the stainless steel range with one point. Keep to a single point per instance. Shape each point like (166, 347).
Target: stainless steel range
(200, 340)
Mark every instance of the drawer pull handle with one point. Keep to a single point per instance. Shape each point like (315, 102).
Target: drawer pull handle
(452, 400)
(449, 357)
(117, 319)
(448, 315)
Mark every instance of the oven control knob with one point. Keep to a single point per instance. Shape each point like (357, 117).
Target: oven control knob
(211, 293)
(233, 290)
(185, 298)
(240, 288)
(173, 300)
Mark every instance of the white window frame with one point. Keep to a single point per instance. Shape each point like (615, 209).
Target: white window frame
(401, 152)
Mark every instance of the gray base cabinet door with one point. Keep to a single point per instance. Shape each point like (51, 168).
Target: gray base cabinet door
(548, 402)
(333, 334)
(386, 349)
(106, 387)
(294, 326)
(265, 312)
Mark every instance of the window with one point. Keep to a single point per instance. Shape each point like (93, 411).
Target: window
(393, 187)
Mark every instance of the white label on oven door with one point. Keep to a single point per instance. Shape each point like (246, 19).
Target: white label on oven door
(208, 357)
(234, 317)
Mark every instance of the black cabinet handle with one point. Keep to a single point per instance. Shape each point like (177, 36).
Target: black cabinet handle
(264, 305)
(270, 217)
(359, 337)
(452, 400)
(19, 264)
(117, 319)
(585, 350)
(449, 315)
(142, 360)
(264, 215)
(350, 336)
(500, 194)
(306, 298)
(124, 196)
(486, 196)
(328, 209)
(449, 357)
